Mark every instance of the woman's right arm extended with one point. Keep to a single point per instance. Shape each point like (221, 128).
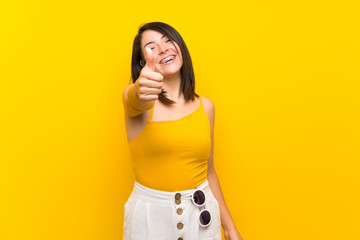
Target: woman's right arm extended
(141, 95)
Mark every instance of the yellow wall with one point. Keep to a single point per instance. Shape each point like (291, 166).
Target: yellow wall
(284, 76)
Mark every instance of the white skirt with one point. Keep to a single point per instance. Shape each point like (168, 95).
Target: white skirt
(151, 214)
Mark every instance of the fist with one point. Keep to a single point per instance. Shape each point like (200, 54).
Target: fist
(149, 84)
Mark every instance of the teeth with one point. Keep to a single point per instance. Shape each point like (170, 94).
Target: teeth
(167, 59)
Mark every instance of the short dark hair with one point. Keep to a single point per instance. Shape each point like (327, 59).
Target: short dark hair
(187, 85)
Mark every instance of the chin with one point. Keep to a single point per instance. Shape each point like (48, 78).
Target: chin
(171, 72)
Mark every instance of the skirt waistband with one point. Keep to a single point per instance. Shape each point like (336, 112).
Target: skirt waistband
(157, 196)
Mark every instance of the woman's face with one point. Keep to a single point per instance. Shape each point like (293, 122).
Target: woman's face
(161, 48)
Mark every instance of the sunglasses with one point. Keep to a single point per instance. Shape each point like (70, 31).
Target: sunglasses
(198, 198)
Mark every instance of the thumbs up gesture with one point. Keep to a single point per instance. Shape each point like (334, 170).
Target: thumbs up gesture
(149, 84)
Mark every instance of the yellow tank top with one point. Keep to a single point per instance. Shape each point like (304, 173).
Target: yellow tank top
(172, 155)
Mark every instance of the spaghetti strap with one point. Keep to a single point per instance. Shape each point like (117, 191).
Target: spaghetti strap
(200, 100)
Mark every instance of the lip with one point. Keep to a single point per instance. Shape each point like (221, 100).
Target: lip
(167, 57)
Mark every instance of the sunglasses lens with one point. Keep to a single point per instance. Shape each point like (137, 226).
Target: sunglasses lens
(205, 217)
(199, 197)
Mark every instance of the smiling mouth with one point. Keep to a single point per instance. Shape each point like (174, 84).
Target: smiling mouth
(168, 59)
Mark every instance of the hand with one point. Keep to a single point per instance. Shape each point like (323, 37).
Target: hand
(149, 84)
(232, 235)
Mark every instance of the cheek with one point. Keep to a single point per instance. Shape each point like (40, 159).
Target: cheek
(180, 57)
(177, 49)
(180, 60)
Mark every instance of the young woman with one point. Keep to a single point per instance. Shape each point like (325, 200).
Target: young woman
(170, 132)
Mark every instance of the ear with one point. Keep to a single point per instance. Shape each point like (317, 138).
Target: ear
(141, 63)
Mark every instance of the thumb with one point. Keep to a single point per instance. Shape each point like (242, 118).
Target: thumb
(150, 63)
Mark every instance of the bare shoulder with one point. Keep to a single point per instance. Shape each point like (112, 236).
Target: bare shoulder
(209, 107)
(208, 104)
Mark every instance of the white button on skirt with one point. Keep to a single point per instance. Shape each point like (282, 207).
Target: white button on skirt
(151, 214)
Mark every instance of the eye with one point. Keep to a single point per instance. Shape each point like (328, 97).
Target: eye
(168, 40)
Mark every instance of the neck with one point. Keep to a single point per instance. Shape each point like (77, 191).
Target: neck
(171, 84)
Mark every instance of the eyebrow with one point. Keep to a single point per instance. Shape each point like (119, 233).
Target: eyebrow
(153, 42)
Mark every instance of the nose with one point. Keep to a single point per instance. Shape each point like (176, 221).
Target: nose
(163, 48)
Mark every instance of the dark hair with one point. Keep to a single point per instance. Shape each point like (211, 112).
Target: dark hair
(187, 85)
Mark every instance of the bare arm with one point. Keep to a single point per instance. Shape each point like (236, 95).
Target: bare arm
(227, 222)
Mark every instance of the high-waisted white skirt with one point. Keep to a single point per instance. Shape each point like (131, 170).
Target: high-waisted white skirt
(151, 214)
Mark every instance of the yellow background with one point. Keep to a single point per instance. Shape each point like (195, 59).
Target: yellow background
(284, 77)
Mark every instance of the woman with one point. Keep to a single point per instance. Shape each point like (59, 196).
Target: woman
(176, 194)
